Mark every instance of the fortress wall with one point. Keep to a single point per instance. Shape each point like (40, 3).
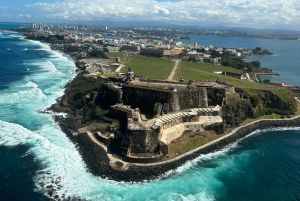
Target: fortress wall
(208, 120)
(175, 121)
(231, 97)
(172, 133)
(144, 98)
(143, 141)
(181, 100)
(215, 96)
(110, 94)
(120, 115)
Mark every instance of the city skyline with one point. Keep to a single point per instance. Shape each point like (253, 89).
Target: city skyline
(257, 14)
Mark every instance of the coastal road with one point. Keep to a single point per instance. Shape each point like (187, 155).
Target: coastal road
(170, 78)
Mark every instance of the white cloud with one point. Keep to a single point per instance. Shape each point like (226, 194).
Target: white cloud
(255, 13)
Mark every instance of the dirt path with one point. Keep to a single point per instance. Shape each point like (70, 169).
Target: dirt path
(170, 78)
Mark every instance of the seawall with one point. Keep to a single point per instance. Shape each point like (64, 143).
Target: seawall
(98, 163)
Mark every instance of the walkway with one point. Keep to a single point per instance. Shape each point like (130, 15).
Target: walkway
(113, 160)
(170, 78)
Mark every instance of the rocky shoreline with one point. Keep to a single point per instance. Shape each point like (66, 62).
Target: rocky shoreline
(98, 163)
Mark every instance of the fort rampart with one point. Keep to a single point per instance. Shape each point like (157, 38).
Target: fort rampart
(98, 163)
(144, 97)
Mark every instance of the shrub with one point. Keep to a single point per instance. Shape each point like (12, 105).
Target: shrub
(254, 100)
(259, 113)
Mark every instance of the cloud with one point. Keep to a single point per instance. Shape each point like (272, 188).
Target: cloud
(257, 13)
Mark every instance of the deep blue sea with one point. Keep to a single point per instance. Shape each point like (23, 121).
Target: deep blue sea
(34, 152)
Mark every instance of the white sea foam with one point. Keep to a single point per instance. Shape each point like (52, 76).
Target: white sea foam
(23, 96)
(63, 164)
(58, 161)
(203, 196)
(45, 69)
(14, 35)
(203, 157)
(30, 84)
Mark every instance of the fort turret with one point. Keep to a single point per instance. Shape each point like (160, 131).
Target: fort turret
(129, 75)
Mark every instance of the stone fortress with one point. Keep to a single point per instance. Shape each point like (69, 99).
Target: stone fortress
(154, 113)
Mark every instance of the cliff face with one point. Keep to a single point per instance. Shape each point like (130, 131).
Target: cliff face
(237, 111)
(260, 102)
(281, 99)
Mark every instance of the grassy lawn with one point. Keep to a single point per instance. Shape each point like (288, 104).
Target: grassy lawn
(117, 54)
(298, 111)
(190, 141)
(207, 67)
(196, 71)
(149, 67)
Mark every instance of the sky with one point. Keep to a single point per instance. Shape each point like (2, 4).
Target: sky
(278, 14)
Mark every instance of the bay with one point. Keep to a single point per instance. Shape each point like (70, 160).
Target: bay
(285, 61)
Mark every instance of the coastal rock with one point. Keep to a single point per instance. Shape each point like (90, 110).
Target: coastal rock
(98, 163)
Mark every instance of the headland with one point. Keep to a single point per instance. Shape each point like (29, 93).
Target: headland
(131, 128)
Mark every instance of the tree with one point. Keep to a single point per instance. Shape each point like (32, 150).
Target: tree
(258, 49)
(266, 81)
(254, 100)
(201, 50)
(97, 53)
(105, 49)
(53, 40)
(214, 54)
(225, 63)
(191, 59)
(256, 64)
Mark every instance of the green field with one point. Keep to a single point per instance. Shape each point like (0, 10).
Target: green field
(159, 68)
(117, 54)
(149, 67)
(197, 71)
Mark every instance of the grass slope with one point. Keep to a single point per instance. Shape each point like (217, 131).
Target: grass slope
(197, 71)
(149, 67)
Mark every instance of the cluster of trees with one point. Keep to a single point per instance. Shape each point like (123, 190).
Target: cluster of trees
(72, 48)
(260, 51)
(76, 93)
(269, 111)
(238, 63)
(98, 53)
(214, 54)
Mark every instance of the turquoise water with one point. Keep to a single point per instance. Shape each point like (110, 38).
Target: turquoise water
(34, 152)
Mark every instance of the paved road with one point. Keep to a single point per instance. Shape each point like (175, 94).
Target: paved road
(170, 78)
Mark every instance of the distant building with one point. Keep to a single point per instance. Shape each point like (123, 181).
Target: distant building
(214, 61)
(281, 84)
(134, 48)
(112, 49)
(160, 52)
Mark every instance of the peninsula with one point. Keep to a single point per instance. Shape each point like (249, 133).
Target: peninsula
(137, 113)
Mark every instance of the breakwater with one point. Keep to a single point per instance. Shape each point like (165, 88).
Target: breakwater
(98, 162)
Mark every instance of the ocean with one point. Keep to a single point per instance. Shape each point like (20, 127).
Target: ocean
(35, 155)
